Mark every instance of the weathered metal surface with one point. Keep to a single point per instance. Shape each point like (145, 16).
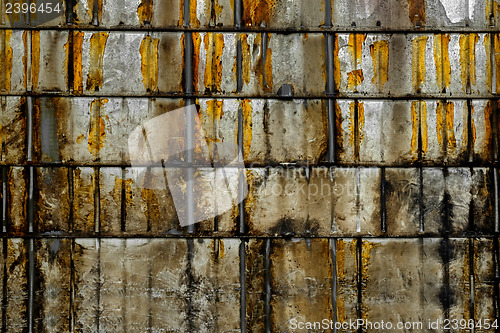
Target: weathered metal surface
(301, 281)
(278, 131)
(52, 212)
(17, 200)
(15, 286)
(83, 205)
(13, 122)
(52, 285)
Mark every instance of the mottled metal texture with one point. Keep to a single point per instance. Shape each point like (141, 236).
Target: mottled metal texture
(368, 137)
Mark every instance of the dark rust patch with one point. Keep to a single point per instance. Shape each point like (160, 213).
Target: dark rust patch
(417, 12)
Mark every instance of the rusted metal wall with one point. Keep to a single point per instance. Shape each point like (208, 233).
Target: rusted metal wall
(369, 133)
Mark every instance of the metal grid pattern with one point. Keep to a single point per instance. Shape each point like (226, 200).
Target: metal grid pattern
(369, 135)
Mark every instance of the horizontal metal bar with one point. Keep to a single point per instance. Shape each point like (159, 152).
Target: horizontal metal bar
(371, 30)
(350, 96)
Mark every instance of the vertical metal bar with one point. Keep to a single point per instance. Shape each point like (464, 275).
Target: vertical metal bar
(243, 287)
(383, 221)
(267, 279)
(69, 12)
(421, 198)
(333, 254)
(4, 198)
(359, 275)
(95, 13)
(238, 13)
(330, 41)
(186, 13)
(358, 199)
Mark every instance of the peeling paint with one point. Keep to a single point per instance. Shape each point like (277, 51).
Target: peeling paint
(419, 127)
(379, 51)
(442, 61)
(245, 52)
(77, 62)
(145, 12)
(489, 67)
(97, 131)
(97, 47)
(214, 46)
(354, 79)
(196, 57)
(246, 106)
(6, 59)
(336, 63)
(354, 48)
(468, 60)
(488, 133)
(258, 12)
(149, 63)
(418, 62)
(445, 125)
(417, 12)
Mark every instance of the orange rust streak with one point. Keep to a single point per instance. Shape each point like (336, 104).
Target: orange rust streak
(245, 51)
(380, 56)
(417, 11)
(442, 61)
(450, 113)
(352, 131)
(97, 131)
(196, 58)
(97, 46)
(25, 60)
(257, 12)
(91, 9)
(213, 118)
(77, 61)
(246, 106)
(355, 47)
(489, 72)
(418, 62)
(497, 62)
(149, 63)
(423, 124)
(193, 17)
(268, 67)
(336, 63)
(488, 112)
(467, 44)
(419, 126)
(6, 59)
(361, 121)
(339, 131)
(35, 58)
(440, 128)
(145, 11)
(354, 78)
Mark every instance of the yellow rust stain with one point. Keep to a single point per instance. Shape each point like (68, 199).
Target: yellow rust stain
(366, 248)
(97, 130)
(418, 61)
(352, 122)
(354, 78)
(336, 63)
(492, 10)
(35, 58)
(417, 12)
(80, 138)
(97, 46)
(497, 62)
(77, 62)
(380, 56)
(196, 57)
(246, 106)
(467, 44)
(442, 61)
(145, 12)
(213, 117)
(193, 16)
(489, 68)
(214, 46)
(149, 62)
(264, 70)
(354, 48)
(245, 51)
(257, 12)
(90, 11)
(341, 253)
(488, 133)
(339, 131)
(445, 120)
(217, 8)
(419, 126)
